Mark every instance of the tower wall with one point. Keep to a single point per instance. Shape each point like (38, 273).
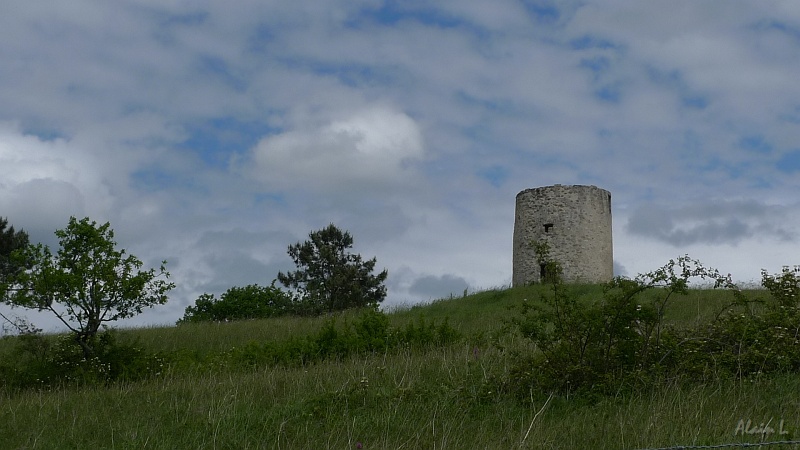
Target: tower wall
(575, 221)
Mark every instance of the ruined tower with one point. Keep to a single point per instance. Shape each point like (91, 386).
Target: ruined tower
(575, 221)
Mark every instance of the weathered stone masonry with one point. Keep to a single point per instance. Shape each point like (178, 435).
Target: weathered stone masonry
(575, 221)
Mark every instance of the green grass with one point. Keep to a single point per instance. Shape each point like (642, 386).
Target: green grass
(441, 397)
(213, 337)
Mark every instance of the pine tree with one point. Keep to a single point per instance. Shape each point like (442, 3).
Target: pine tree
(330, 278)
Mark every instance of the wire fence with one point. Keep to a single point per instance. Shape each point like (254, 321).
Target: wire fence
(731, 445)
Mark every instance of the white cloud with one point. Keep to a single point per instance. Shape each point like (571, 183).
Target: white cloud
(415, 134)
(373, 147)
(43, 183)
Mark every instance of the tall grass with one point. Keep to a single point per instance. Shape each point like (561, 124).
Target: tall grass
(213, 337)
(450, 396)
(435, 399)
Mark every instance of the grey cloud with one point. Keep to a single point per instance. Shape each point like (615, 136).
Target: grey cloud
(721, 222)
(219, 260)
(239, 257)
(238, 238)
(620, 270)
(432, 286)
(237, 268)
(42, 206)
(371, 222)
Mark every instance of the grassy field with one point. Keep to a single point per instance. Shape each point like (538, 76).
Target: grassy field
(434, 397)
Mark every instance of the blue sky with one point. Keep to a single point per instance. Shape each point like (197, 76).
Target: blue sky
(214, 135)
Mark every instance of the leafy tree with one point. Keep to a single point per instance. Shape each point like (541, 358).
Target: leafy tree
(88, 282)
(10, 240)
(329, 278)
(237, 303)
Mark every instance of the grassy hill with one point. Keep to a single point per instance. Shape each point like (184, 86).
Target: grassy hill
(215, 390)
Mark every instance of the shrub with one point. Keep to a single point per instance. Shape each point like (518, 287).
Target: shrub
(238, 303)
(372, 331)
(620, 341)
(607, 344)
(48, 361)
(741, 343)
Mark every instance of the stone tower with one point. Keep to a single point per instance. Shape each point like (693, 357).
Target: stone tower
(575, 221)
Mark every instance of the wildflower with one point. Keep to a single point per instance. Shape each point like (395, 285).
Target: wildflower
(359, 445)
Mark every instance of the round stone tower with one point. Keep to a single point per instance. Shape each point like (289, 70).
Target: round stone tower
(575, 222)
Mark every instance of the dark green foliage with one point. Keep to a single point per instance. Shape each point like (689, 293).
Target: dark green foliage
(10, 240)
(606, 344)
(369, 333)
(620, 341)
(88, 282)
(329, 278)
(551, 269)
(785, 289)
(425, 333)
(372, 332)
(49, 361)
(742, 343)
(238, 303)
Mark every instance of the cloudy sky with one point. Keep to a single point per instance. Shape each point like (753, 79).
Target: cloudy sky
(215, 134)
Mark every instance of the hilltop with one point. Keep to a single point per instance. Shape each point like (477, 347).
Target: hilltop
(445, 380)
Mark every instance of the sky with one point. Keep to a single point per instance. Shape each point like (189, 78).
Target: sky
(216, 134)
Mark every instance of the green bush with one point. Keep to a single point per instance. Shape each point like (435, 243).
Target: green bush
(48, 361)
(620, 341)
(372, 332)
(238, 303)
(741, 343)
(603, 345)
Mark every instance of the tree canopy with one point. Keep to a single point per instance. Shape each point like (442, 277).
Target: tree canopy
(88, 282)
(10, 240)
(329, 277)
